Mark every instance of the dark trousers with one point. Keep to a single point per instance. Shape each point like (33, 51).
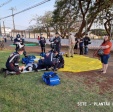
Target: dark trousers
(57, 49)
(13, 68)
(43, 49)
(85, 50)
(5, 40)
(81, 50)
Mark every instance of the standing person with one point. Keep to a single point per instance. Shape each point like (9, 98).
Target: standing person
(23, 41)
(12, 63)
(106, 46)
(86, 42)
(57, 42)
(71, 45)
(11, 38)
(42, 43)
(38, 38)
(51, 41)
(18, 41)
(81, 45)
(5, 38)
(76, 46)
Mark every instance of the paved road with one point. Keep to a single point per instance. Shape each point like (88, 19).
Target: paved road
(36, 49)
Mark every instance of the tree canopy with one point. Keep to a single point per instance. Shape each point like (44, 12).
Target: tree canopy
(83, 11)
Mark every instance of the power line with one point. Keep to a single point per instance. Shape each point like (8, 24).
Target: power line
(25, 3)
(5, 3)
(26, 9)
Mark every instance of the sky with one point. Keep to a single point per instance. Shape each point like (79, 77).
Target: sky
(22, 21)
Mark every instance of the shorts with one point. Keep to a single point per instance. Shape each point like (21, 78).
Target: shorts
(104, 58)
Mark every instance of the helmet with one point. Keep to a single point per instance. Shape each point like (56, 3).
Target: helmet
(18, 36)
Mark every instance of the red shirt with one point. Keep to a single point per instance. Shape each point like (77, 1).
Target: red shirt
(107, 51)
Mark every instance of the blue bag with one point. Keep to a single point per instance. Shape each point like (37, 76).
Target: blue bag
(28, 59)
(51, 78)
(42, 54)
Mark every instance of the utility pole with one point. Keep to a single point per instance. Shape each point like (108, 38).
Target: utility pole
(12, 9)
(4, 28)
(1, 5)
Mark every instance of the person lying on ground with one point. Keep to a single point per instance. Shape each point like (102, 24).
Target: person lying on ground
(51, 60)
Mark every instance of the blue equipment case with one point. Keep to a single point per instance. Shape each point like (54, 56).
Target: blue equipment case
(51, 78)
(28, 59)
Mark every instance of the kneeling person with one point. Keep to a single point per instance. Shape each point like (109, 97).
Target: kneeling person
(60, 60)
(12, 63)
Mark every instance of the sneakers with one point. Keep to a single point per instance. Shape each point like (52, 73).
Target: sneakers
(6, 73)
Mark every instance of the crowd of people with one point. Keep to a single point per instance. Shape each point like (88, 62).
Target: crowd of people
(54, 59)
(80, 46)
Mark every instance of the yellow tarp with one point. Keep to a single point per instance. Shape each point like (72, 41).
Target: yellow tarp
(80, 63)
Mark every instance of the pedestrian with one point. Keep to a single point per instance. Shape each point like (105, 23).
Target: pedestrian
(11, 38)
(51, 41)
(57, 42)
(106, 47)
(86, 43)
(5, 38)
(76, 45)
(42, 43)
(71, 45)
(38, 38)
(23, 40)
(81, 45)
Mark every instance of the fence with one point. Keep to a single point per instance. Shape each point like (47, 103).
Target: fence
(64, 42)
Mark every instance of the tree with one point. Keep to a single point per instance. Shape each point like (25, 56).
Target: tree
(105, 17)
(43, 22)
(64, 16)
(84, 11)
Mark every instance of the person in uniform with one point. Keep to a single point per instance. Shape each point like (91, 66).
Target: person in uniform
(42, 43)
(57, 42)
(86, 43)
(12, 63)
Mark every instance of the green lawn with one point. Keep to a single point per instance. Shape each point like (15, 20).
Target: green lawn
(28, 93)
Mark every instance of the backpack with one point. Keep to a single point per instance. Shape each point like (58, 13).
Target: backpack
(51, 78)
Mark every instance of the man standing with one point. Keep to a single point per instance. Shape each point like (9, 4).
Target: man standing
(81, 45)
(57, 42)
(76, 45)
(71, 45)
(86, 42)
(42, 43)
